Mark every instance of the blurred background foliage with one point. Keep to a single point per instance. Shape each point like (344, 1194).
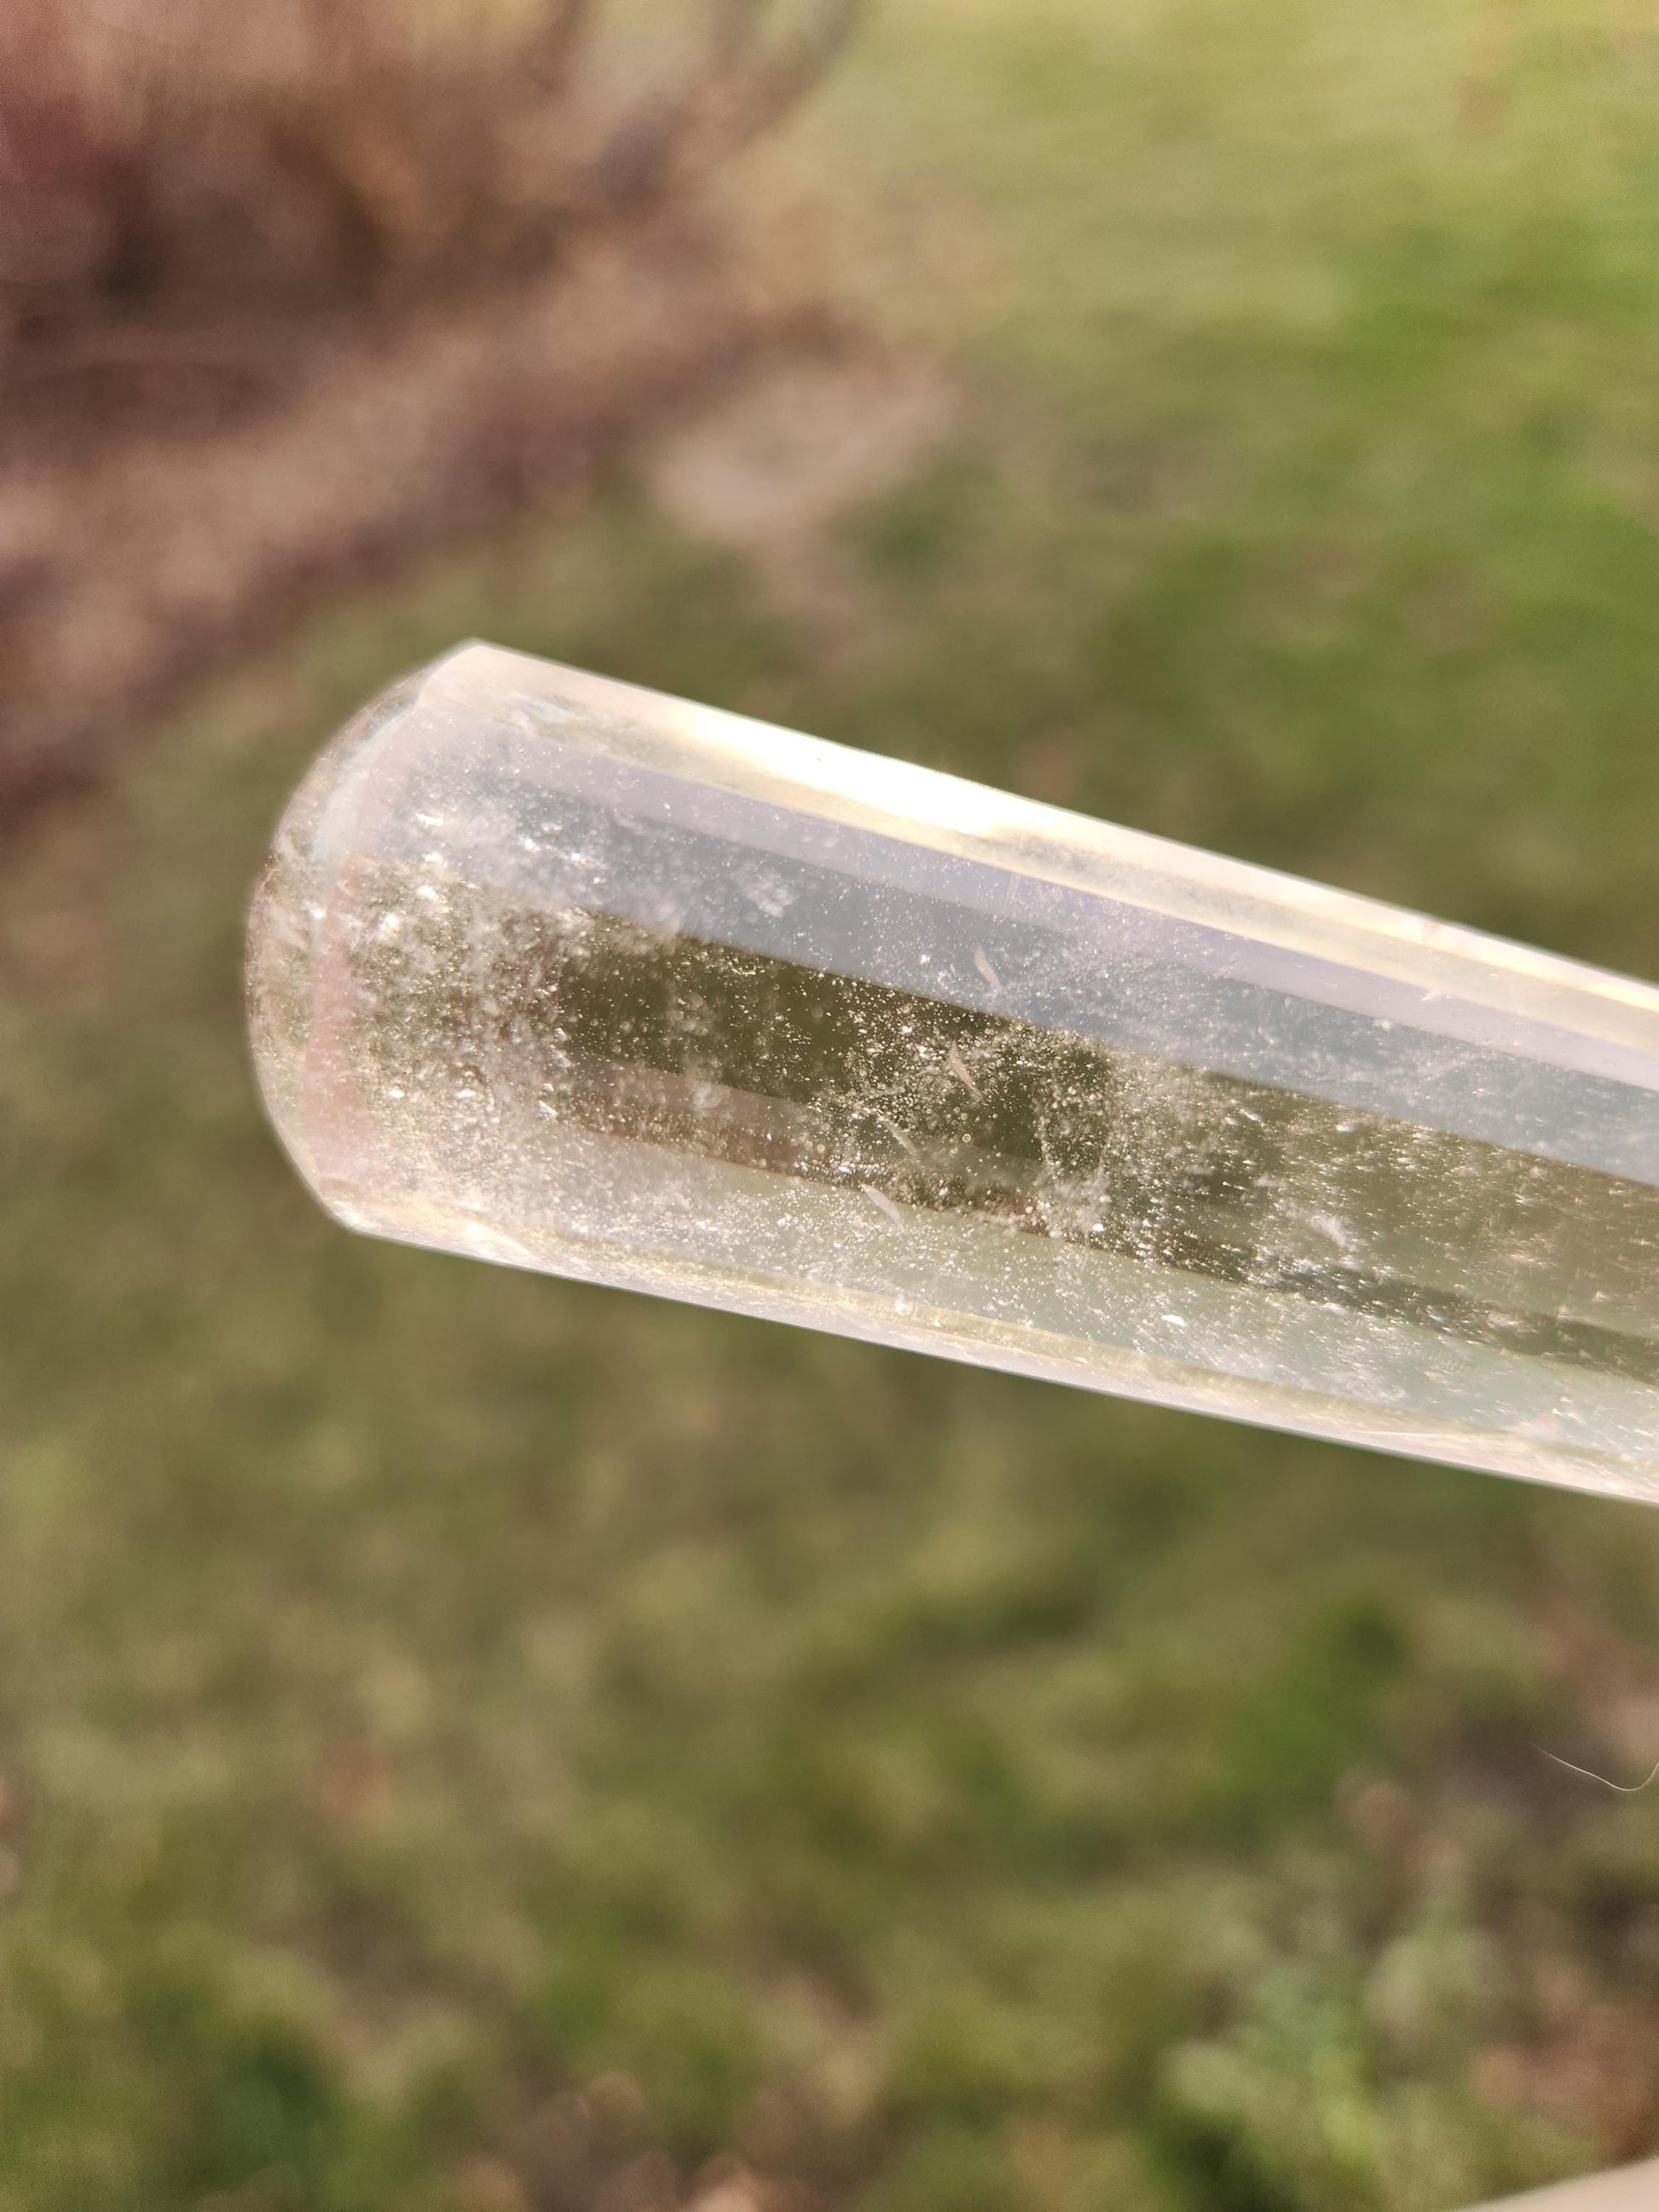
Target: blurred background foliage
(482, 1743)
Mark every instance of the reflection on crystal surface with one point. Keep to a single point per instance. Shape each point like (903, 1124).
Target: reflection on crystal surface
(557, 972)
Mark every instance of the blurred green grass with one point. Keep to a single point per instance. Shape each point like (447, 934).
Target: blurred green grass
(422, 1688)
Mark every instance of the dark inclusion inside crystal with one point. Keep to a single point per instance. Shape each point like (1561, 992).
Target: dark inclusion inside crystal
(764, 1063)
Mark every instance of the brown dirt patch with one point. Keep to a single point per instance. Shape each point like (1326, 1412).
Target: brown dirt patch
(286, 304)
(797, 446)
(127, 573)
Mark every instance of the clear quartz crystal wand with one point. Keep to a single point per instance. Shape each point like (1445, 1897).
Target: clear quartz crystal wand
(561, 973)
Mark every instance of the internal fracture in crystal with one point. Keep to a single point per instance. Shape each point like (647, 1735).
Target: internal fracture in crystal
(558, 972)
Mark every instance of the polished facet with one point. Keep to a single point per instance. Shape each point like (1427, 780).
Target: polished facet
(558, 972)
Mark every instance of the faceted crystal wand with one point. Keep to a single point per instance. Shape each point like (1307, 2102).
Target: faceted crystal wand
(557, 972)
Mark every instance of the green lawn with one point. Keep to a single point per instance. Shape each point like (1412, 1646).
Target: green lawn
(426, 1691)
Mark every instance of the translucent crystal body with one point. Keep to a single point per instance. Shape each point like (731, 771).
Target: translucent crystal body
(557, 972)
